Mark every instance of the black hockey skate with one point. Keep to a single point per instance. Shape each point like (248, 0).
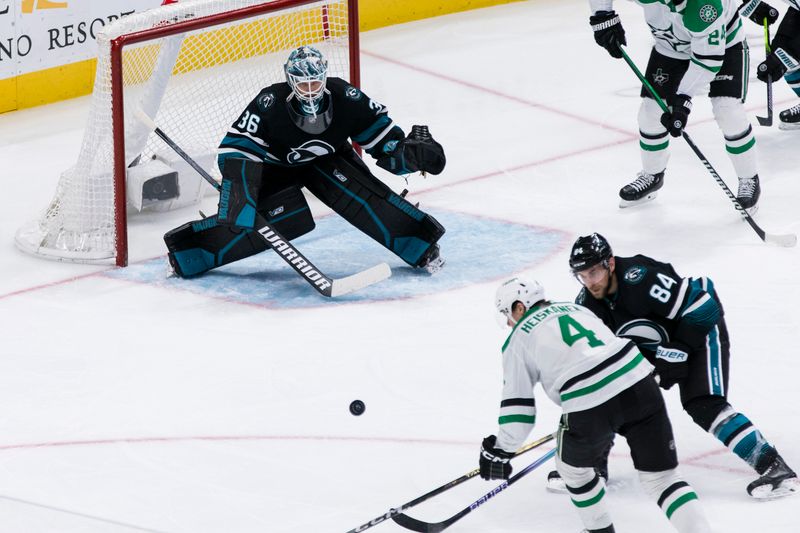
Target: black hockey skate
(776, 481)
(749, 193)
(643, 189)
(432, 261)
(790, 118)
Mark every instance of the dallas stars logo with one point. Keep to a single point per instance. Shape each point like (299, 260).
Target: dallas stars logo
(708, 13)
(668, 36)
(660, 77)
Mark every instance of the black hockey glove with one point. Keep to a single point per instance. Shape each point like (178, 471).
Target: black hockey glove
(775, 65)
(608, 32)
(676, 119)
(757, 11)
(423, 153)
(494, 462)
(672, 363)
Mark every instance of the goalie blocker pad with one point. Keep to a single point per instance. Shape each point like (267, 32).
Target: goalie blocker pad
(199, 246)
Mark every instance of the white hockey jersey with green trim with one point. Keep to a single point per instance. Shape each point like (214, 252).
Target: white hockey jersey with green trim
(697, 30)
(579, 362)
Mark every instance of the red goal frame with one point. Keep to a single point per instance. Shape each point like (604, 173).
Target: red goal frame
(117, 113)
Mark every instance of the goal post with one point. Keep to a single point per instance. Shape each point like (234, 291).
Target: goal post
(193, 66)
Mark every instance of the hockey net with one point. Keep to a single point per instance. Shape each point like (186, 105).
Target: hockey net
(192, 66)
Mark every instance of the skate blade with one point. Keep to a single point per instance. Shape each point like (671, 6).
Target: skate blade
(787, 487)
(753, 210)
(435, 266)
(556, 486)
(631, 203)
(785, 126)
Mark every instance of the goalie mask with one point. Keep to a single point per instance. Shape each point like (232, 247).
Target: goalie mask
(517, 290)
(306, 73)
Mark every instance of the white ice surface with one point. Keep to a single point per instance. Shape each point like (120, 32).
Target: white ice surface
(131, 406)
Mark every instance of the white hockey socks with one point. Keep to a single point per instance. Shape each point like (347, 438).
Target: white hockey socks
(739, 139)
(677, 500)
(653, 137)
(587, 492)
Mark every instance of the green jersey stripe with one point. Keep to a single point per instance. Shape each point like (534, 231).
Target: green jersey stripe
(605, 381)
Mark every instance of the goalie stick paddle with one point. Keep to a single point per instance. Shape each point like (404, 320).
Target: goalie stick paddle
(427, 527)
(325, 285)
(785, 240)
(767, 121)
(393, 512)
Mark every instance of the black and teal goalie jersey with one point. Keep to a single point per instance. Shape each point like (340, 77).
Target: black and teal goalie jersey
(266, 132)
(653, 305)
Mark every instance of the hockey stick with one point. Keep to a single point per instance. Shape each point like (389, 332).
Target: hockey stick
(787, 240)
(768, 120)
(434, 527)
(325, 285)
(447, 486)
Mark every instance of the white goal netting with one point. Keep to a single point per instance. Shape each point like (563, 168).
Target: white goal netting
(194, 84)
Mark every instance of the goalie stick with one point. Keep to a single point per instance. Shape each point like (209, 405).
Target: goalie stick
(325, 285)
(767, 121)
(786, 240)
(434, 527)
(391, 513)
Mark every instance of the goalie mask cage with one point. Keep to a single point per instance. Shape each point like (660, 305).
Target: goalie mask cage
(193, 67)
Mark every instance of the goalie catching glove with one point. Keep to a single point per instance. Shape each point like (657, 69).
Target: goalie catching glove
(417, 152)
(494, 462)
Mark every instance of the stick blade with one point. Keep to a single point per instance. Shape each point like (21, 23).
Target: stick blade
(416, 525)
(360, 280)
(765, 121)
(788, 240)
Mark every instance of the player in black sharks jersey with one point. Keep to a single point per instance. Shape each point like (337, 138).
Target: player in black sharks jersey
(296, 134)
(784, 56)
(679, 325)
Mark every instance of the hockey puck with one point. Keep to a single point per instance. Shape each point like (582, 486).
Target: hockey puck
(357, 408)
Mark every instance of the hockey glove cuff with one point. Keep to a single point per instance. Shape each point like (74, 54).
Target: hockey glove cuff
(494, 462)
(676, 119)
(776, 65)
(757, 11)
(608, 31)
(672, 363)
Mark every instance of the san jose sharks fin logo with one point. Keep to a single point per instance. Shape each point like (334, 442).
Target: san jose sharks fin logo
(309, 151)
(647, 334)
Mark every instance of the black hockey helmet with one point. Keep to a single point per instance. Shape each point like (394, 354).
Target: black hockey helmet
(589, 251)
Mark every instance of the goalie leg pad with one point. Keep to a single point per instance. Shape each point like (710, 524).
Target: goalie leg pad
(288, 212)
(241, 182)
(199, 246)
(345, 185)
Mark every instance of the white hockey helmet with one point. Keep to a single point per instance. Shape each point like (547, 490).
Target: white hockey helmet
(517, 290)
(306, 73)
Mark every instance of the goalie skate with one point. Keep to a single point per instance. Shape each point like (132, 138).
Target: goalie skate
(643, 189)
